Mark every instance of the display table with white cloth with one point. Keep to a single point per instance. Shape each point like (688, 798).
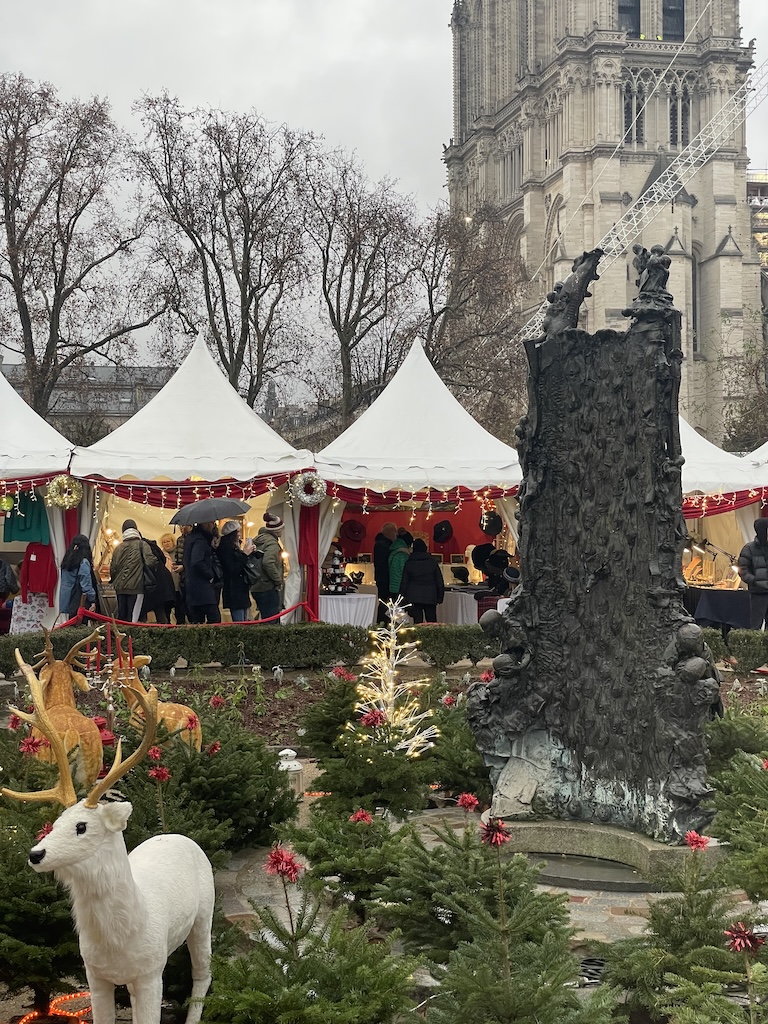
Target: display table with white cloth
(348, 609)
(458, 608)
(502, 603)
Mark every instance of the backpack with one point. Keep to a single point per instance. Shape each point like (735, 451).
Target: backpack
(253, 570)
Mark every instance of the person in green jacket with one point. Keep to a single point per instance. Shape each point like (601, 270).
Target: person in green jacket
(398, 556)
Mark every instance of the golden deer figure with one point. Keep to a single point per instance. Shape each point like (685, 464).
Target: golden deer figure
(58, 679)
(173, 717)
(130, 911)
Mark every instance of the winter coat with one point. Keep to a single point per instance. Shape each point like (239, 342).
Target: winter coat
(422, 581)
(165, 591)
(198, 568)
(398, 556)
(381, 547)
(272, 553)
(76, 583)
(753, 560)
(127, 568)
(8, 582)
(236, 593)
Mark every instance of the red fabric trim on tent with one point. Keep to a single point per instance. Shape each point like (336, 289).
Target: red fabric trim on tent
(25, 483)
(698, 506)
(174, 493)
(366, 496)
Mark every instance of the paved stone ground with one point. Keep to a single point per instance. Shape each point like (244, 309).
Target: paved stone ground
(603, 916)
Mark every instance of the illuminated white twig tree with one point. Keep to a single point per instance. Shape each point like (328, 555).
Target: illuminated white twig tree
(389, 709)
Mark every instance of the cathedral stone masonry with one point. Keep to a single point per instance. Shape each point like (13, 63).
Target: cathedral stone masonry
(604, 684)
(544, 93)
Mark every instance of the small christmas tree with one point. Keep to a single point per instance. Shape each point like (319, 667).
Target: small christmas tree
(311, 970)
(741, 820)
(38, 944)
(375, 761)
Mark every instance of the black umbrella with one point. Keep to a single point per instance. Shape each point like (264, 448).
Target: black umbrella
(209, 510)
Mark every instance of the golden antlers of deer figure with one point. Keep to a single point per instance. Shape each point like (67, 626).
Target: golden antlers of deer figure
(58, 679)
(173, 717)
(130, 911)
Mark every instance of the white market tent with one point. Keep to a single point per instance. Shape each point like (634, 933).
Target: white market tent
(710, 470)
(196, 426)
(417, 436)
(30, 448)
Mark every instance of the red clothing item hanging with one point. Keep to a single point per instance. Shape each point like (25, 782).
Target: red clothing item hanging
(38, 572)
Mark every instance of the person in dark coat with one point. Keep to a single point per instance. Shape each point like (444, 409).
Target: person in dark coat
(237, 597)
(753, 569)
(202, 601)
(381, 545)
(162, 600)
(422, 583)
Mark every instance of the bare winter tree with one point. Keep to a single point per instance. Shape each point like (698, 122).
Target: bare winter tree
(230, 185)
(76, 271)
(470, 284)
(362, 234)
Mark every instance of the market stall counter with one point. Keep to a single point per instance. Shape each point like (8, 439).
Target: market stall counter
(723, 608)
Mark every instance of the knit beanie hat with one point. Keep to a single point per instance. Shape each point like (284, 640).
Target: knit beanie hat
(232, 526)
(129, 524)
(274, 524)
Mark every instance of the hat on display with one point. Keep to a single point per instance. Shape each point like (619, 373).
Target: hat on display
(274, 524)
(352, 530)
(461, 573)
(480, 554)
(497, 562)
(442, 532)
(232, 526)
(511, 574)
(491, 524)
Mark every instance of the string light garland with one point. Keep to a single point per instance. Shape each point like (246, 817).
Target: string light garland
(57, 1007)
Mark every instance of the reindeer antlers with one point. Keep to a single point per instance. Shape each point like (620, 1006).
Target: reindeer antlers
(73, 657)
(64, 791)
(119, 767)
(47, 657)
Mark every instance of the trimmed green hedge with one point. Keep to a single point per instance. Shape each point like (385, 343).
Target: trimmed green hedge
(305, 645)
(749, 647)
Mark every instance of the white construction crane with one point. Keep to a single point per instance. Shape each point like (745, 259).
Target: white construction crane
(640, 214)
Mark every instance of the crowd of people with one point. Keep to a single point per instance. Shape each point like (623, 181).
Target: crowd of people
(189, 577)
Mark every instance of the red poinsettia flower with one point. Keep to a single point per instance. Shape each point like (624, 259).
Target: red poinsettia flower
(339, 672)
(495, 833)
(47, 827)
(468, 802)
(14, 722)
(361, 817)
(217, 702)
(213, 748)
(192, 723)
(695, 841)
(159, 774)
(30, 745)
(765, 763)
(448, 700)
(281, 862)
(373, 719)
(487, 676)
(155, 753)
(742, 939)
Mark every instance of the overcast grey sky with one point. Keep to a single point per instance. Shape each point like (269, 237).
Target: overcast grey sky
(371, 75)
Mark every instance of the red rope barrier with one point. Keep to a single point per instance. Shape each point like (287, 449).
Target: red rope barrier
(83, 613)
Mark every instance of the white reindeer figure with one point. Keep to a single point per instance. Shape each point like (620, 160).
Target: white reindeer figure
(132, 911)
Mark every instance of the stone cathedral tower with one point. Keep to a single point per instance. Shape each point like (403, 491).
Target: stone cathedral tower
(566, 110)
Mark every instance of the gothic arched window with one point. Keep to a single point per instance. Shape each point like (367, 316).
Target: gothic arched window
(674, 20)
(629, 18)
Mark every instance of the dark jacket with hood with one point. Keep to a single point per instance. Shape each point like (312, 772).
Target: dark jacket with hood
(233, 558)
(422, 581)
(381, 546)
(198, 568)
(127, 565)
(267, 543)
(753, 560)
(165, 591)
